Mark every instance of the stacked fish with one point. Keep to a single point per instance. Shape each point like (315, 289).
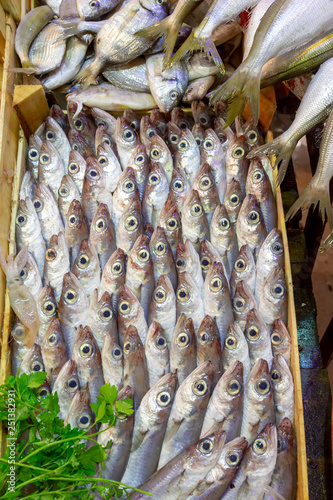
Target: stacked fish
(149, 259)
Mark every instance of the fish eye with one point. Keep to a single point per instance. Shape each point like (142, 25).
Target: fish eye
(53, 340)
(205, 262)
(199, 141)
(238, 152)
(49, 308)
(262, 386)
(43, 391)
(234, 200)
(230, 343)
(276, 338)
(72, 221)
(224, 224)
(161, 343)
(21, 220)
(160, 296)
(38, 204)
(208, 145)
(232, 458)
(45, 159)
(277, 248)
(24, 274)
(129, 186)
(117, 353)
(105, 314)
(183, 145)
(151, 133)
(160, 248)
(253, 217)
(234, 387)
(222, 137)
(259, 446)
(280, 445)
(183, 339)
(102, 160)
(182, 125)
(127, 347)
(180, 264)
(252, 137)
(73, 384)
(78, 123)
(203, 120)
(76, 147)
(178, 186)
(101, 225)
(163, 399)
(172, 224)
(173, 95)
(73, 168)
(70, 297)
(131, 223)
(174, 139)
(107, 141)
(155, 153)
(238, 304)
(83, 261)
(19, 332)
(204, 338)
(240, 265)
(63, 191)
(33, 154)
(200, 388)
(117, 268)
(140, 159)
(50, 136)
(216, 285)
(143, 255)
(86, 350)
(205, 183)
(252, 333)
(129, 135)
(205, 446)
(93, 174)
(154, 179)
(278, 291)
(196, 210)
(124, 307)
(257, 176)
(182, 294)
(37, 366)
(84, 421)
(276, 376)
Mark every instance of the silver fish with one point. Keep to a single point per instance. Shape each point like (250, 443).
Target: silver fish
(236, 163)
(31, 277)
(273, 303)
(139, 162)
(233, 199)
(94, 189)
(183, 348)
(126, 139)
(195, 225)
(189, 299)
(258, 338)
(281, 341)
(78, 143)
(47, 310)
(236, 349)
(147, 131)
(130, 226)
(77, 169)
(212, 152)
(21, 339)
(204, 183)
(181, 119)
(208, 255)
(101, 318)
(271, 254)
(209, 345)
(32, 361)
(130, 312)
(35, 144)
(283, 389)
(56, 135)
(102, 234)
(112, 361)
(47, 212)
(187, 259)
(110, 164)
(80, 121)
(104, 119)
(66, 386)
(67, 192)
(244, 270)
(155, 194)
(197, 89)
(157, 353)
(135, 365)
(179, 188)
(170, 221)
(223, 237)
(173, 135)
(76, 229)
(60, 117)
(86, 268)
(47, 50)
(113, 276)
(242, 302)
(159, 120)
(200, 65)
(129, 76)
(163, 307)
(162, 257)
(103, 138)
(187, 154)
(54, 350)
(250, 225)
(50, 168)
(160, 153)
(80, 415)
(198, 131)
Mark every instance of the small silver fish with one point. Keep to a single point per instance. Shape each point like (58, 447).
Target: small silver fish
(32, 361)
(77, 169)
(139, 162)
(189, 299)
(110, 164)
(50, 168)
(195, 225)
(208, 255)
(47, 212)
(170, 221)
(157, 353)
(236, 349)
(273, 303)
(78, 143)
(187, 259)
(20, 339)
(31, 277)
(179, 188)
(126, 139)
(233, 199)
(147, 131)
(66, 386)
(183, 348)
(130, 226)
(113, 276)
(67, 192)
(236, 163)
(112, 361)
(155, 194)
(197, 89)
(162, 257)
(212, 152)
(198, 131)
(281, 341)
(135, 365)
(242, 302)
(86, 268)
(244, 270)
(47, 310)
(80, 121)
(258, 338)
(101, 318)
(129, 76)
(76, 229)
(163, 307)
(271, 254)
(209, 345)
(283, 389)
(223, 237)
(102, 234)
(160, 153)
(187, 154)
(130, 312)
(250, 225)
(94, 189)
(54, 350)
(204, 183)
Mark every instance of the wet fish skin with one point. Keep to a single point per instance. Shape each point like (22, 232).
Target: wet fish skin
(212, 152)
(162, 307)
(237, 164)
(47, 49)
(94, 189)
(125, 194)
(162, 257)
(244, 269)
(112, 361)
(66, 386)
(198, 131)
(233, 199)
(47, 310)
(187, 154)
(281, 341)
(105, 119)
(183, 348)
(19, 346)
(102, 234)
(179, 188)
(135, 365)
(87, 268)
(129, 76)
(181, 119)
(199, 65)
(189, 299)
(77, 169)
(201, 113)
(67, 192)
(147, 131)
(271, 254)
(60, 117)
(159, 120)
(242, 302)
(130, 312)
(223, 237)
(250, 226)
(204, 183)
(273, 298)
(56, 135)
(209, 345)
(101, 318)
(54, 350)
(32, 360)
(35, 144)
(76, 229)
(110, 164)
(81, 122)
(187, 259)
(258, 338)
(170, 221)
(283, 389)
(31, 277)
(197, 89)
(80, 415)
(57, 263)
(160, 153)
(47, 212)
(195, 225)
(157, 353)
(155, 194)
(50, 168)
(173, 134)
(208, 255)
(113, 276)
(78, 143)
(235, 348)
(103, 138)
(139, 162)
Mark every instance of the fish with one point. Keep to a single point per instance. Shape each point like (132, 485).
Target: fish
(225, 407)
(187, 259)
(79, 144)
(258, 407)
(159, 120)
(258, 184)
(113, 276)
(170, 221)
(183, 348)
(139, 272)
(223, 237)
(112, 361)
(33, 154)
(67, 192)
(66, 385)
(208, 255)
(233, 199)
(56, 135)
(72, 309)
(47, 212)
(244, 270)
(271, 254)
(102, 138)
(235, 348)
(179, 188)
(94, 190)
(31, 277)
(162, 257)
(32, 361)
(199, 65)
(20, 338)
(60, 117)
(157, 353)
(139, 162)
(283, 389)
(219, 477)
(104, 119)
(101, 318)
(217, 300)
(187, 413)
(150, 424)
(110, 164)
(201, 113)
(77, 169)
(47, 49)
(167, 85)
(117, 440)
(250, 225)
(130, 226)
(242, 302)
(187, 154)
(80, 415)
(87, 268)
(50, 168)
(185, 470)
(237, 165)
(254, 23)
(173, 134)
(116, 43)
(135, 365)
(102, 234)
(212, 152)
(87, 356)
(252, 134)
(189, 299)
(130, 312)
(80, 121)
(258, 338)
(273, 302)
(126, 140)
(47, 310)
(147, 131)
(76, 229)
(160, 153)
(209, 345)
(224, 133)
(197, 89)
(54, 350)
(87, 10)
(195, 225)
(198, 131)
(129, 76)
(162, 308)
(204, 183)
(281, 341)
(155, 194)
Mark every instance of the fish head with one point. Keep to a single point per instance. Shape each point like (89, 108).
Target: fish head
(170, 219)
(236, 152)
(139, 257)
(104, 119)
(179, 186)
(102, 222)
(112, 351)
(234, 339)
(211, 146)
(54, 133)
(232, 455)
(147, 130)
(280, 337)
(201, 65)
(158, 150)
(201, 114)
(207, 332)
(216, 288)
(187, 294)
(53, 337)
(67, 380)
(32, 361)
(257, 182)
(157, 182)
(204, 454)
(57, 250)
(255, 328)
(193, 213)
(59, 116)
(75, 218)
(250, 217)
(160, 248)
(198, 132)
(156, 339)
(80, 414)
(127, 186)
(73, 297)
(223, 133)
(139, 161)
(286, 437)
(252, 134)
(132, 344)
(274, 291)
(116, 266)
(132, 119)
(68, 190)
(282, 378)
(78, 143)
(86, 261)
(243, 302)
(181, 119)
(101, 310)
(86, 353)
(196, 388)
(49, 158)
(130, 226)
(233, 199)
(94, 176)
(260, 457)
(231, 384)
(204, 183)
(272, 249)
(129, 307)
(259, 385)
(126, 137)
(80, 121)
(156, 404)
(187, 147)
(103, 138)
(164, 295)
(35, 144)
(159, 120)
(76, 165)
(173, 135)
(208, 255)
(47, 304)
(20, 333)
(183, 338)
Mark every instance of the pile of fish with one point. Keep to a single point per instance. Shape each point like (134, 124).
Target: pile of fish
(149, 258)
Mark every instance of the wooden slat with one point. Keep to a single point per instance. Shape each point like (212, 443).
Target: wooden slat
(13, 7)
(31, 107)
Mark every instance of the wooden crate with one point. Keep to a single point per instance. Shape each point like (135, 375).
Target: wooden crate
(13, 149)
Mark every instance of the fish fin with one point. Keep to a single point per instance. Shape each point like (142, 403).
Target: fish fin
(312, 196)
(31, 70)
(70, 28)
(188, 46)
(327, 243)
(169, 43)
(157, 30)
(88, 75)
(236, 108)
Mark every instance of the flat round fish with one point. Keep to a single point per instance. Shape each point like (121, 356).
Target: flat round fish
(47, 51)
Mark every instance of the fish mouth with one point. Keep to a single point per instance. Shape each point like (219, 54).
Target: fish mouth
(145, 8)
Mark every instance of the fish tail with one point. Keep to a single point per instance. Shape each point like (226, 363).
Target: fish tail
(70, 29)
(88, 75)
(157, 29)
(211, 51)
(190, 45)
(312, 196)
(327, 243)
(199, 43)
(169, 43)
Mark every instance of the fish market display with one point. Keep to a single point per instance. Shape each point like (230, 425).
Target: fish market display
(141, 278)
